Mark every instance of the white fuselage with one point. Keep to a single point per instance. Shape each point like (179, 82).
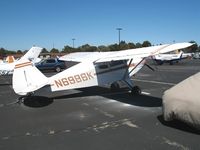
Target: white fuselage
(7, 68)
(167, 57)
(87, 74)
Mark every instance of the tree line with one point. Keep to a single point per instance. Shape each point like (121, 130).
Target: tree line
(90, 48)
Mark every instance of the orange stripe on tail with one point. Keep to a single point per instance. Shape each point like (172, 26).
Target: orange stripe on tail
(23, 65)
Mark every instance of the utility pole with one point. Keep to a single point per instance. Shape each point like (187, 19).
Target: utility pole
(119, 29)
(73, 42)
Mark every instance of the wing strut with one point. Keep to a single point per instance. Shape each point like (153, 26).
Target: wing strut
(127, 68)
(137, 65)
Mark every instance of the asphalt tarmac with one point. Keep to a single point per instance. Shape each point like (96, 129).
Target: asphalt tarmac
(96, 118)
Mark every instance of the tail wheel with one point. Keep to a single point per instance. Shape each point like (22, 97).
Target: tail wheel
(114, 86)
(58, 69)
(136, 90)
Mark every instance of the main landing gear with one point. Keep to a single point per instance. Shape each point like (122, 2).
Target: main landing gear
(114, 87)
(135, 90)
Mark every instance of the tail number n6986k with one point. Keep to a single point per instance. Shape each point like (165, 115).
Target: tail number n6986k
(73, 79)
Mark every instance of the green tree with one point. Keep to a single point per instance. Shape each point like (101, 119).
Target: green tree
(54, 50)
(24, 52)
(194, 47)
(2, 51)
(138, 45)
(131, 45)
(88, 48)
(10, 52)
(103, 48)
(19, 52)
(67, 49)
(113, 47)
(123, 45)
(44, 50)
(146, 44)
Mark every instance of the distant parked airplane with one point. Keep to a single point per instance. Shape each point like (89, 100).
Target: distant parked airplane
(31, 55)
(169, 58)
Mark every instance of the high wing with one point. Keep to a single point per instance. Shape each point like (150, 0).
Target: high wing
(83, 56)
(124, 54)
(143, 52)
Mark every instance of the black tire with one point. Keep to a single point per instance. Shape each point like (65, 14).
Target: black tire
(136, 90)
(114, 86)
(58, 69)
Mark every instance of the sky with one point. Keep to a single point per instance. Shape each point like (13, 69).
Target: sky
(54, 23)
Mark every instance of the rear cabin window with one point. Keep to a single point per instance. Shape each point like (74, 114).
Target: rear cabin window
(50, 61)
(103, 66)
(111, 64)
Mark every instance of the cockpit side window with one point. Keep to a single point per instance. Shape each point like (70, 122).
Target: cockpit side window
(103, 66)
(116, 63)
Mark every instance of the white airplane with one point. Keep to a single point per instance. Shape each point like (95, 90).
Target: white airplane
(169, 58)
(9, 59)
(93, 69)
(31, 55)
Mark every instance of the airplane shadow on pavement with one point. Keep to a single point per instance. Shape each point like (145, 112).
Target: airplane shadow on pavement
(122, 96)
(37, 101)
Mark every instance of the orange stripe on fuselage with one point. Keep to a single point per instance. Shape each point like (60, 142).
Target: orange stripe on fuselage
(131, 65)
(23, 65)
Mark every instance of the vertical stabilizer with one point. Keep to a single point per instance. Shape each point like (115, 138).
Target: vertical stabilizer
(27, 78)
(32, 54)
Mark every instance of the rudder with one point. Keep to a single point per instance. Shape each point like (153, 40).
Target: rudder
(27, 78)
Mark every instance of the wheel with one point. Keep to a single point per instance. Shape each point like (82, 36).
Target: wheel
(136, 90)
(114, 86)
(171, 63)
(58, 69)
(20, 100)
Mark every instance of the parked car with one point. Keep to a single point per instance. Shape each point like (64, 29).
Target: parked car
(51, 64)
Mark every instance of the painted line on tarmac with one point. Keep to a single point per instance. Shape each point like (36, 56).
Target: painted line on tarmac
(156, 82)
(146, 93)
